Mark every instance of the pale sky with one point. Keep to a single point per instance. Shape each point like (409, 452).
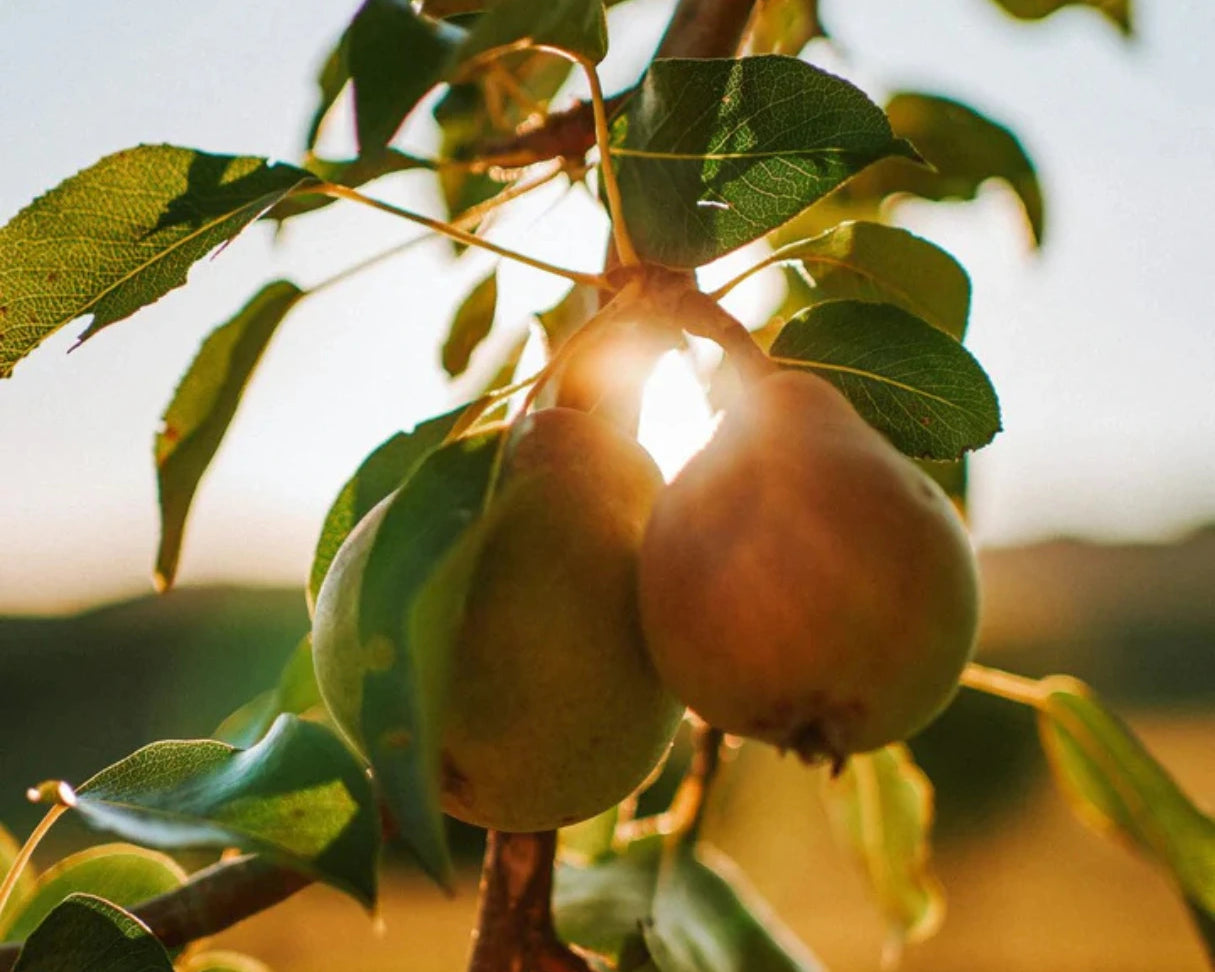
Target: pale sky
(1101, 347)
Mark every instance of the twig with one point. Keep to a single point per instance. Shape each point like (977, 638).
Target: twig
(706, 28)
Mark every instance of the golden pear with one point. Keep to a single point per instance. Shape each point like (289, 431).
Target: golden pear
(803, 583)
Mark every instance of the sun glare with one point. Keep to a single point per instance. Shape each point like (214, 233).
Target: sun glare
(676, 421)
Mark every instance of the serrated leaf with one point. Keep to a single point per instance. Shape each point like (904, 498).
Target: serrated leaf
(602, 906)
(344, 172)
(1118, 12)
(120, 873)
(382, 630)
(884, 264)
(576, 26)
(386, 468)
(221, 961)
(1114, 785)
(711, 154)
(298, 797)
(473, 321)
(910, 381)
(203, 407)
(121, 234)
(706, 919)
(882, 806)
(10, 847)
(394, 57)
(295, 693)
(965, 149)
(88, 934)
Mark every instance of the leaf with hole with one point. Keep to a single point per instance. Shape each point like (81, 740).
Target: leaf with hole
(881, 806)
(88, 934)
(298, 797)
(910, 381)
(203, 407)
(1114, 785)
(121, 234)
(711, 154)
(120, 873)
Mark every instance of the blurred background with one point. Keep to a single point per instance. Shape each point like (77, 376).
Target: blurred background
(1094, 509)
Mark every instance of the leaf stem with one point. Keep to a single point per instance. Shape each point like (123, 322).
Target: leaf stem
(779, 255)
(469, 239)
(27, 850)
(1005, 685)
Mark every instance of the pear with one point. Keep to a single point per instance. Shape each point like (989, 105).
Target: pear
(803, 583)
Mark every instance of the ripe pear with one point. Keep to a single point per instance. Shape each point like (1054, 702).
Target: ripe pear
(553, 711)
(803, 583)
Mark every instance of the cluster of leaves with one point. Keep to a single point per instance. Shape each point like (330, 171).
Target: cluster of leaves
(709, 155)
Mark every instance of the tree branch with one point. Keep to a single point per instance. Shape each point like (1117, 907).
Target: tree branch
(706, 28)
(515, 926)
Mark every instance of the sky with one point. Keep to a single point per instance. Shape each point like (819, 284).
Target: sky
(1100, 345)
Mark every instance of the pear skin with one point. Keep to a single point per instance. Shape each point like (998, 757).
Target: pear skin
(803, 583)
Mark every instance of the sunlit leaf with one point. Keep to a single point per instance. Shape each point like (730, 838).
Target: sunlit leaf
(504, 373)
(569, 314)
(706, 919)
(782, 27)
(711, 154)
(473, 320)
(965, 149)
(295, 693)
(589, 841)
(344, 172)
(121, 234)
(88, 934)
(120, 873)
(298, 797)
(203, 407)
(909, 380)
(1114, 785)
(383, 626)
(386, 468)
(1118, 12)
(221, 961)
(1204, 922)
(881, 805)
(10, 847)
(885, 264)
(577, 26)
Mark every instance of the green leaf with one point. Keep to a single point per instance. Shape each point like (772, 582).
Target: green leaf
(564, 318)
(705, 919)
(601, 907)
(471, 325)
(10, 847)
(1114, 785)
(386, 468)
(122, 874)
(783, 27)
(1118, 12)
(589, 841)
(881, 805)
(121, 234)
(1204, 923)
(382, 625)
(344, 172)
(394, 57)
(295, 693)
(203, 407)
(221, 961)
(299, 797)
(576, 26)
(331, 81)
(884, 264)
(711, 154)
(88, 934)
(910, 381)
(965, 149)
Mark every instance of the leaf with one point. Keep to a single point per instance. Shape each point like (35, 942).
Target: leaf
(203, 407)
(602, 906)
(576, 26)
(711, 154)
(221, 961)
(1115, 786)
(1204, 923)
(386, 468)
(706, 920)
(331, 81)
(295, 693)
(298, 797)
(471, 325)
(394, 57)
(385, 613)
(344, 172)
(590, 840)
(120, 873)
(121, 234)
(882, 807)
(884, 264)
(965, 149)
(910, 381)
(87, 934)
(564, 318)
(10, 847)
(1118, 12)
(783, 27)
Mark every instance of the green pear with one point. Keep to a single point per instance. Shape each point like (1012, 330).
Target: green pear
(803, 583)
